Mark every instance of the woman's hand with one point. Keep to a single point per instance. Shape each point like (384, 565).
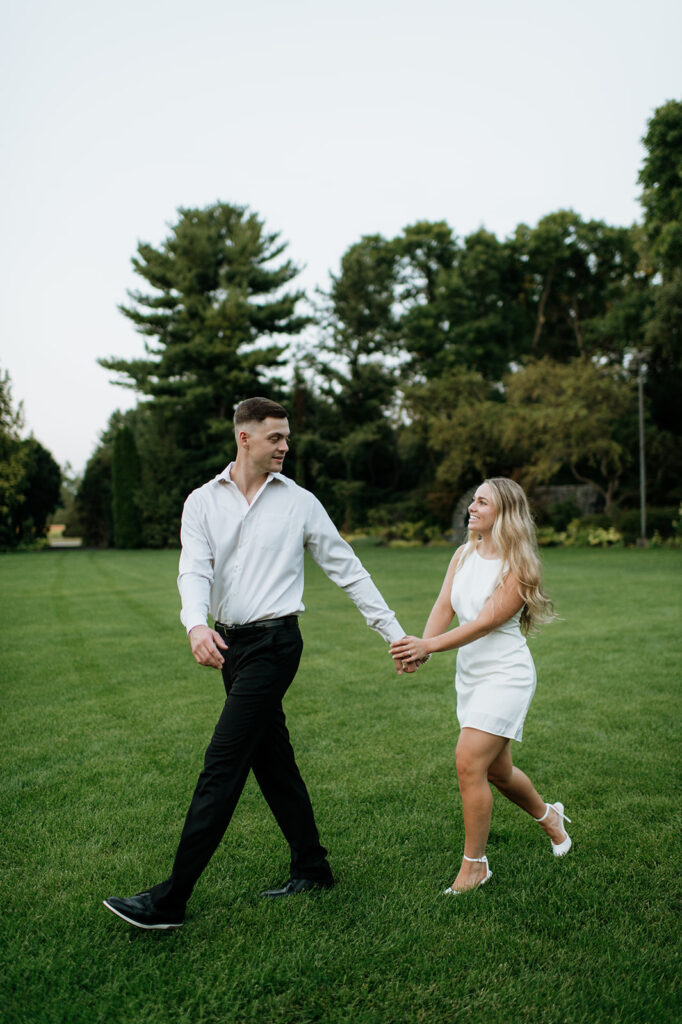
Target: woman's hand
(411, 650)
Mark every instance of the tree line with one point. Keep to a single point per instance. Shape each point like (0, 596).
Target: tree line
(429, 362)
(30, 478)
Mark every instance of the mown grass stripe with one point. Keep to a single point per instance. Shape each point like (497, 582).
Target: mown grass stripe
(105, 719)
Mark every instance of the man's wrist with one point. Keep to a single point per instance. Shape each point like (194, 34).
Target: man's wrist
(196, 625)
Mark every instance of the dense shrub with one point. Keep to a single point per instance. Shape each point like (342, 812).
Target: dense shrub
(558, 515)
(399, 534)
(658, 520)
(664, 527)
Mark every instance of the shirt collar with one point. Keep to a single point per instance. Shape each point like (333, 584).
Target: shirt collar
(226, 476)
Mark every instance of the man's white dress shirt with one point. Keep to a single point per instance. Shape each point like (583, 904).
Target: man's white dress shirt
(244, 562)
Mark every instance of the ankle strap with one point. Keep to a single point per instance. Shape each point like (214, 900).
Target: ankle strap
(548, 808)
(476, 860)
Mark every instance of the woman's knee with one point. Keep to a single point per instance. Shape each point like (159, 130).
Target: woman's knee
(469, 766)
(498, 776)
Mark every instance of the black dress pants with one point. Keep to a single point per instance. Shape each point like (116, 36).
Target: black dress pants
(260, 665)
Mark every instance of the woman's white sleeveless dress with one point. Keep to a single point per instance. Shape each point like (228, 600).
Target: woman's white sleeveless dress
(495, 678)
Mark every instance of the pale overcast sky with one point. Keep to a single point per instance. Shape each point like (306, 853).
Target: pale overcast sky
(329, 120)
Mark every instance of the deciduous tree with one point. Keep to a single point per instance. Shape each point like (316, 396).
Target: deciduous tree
(661, 177)
(354, 366)
(574, 271)
(570, 415)
(30, 479)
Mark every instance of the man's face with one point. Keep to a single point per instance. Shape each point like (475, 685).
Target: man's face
(266, 444)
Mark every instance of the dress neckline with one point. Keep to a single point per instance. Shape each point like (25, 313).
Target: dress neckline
(483, 559)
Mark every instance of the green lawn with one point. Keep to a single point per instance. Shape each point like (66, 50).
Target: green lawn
(105, 720)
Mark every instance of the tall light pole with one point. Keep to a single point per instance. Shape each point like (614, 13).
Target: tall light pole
(642, 542)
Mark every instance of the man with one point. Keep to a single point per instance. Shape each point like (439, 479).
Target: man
(243, 539)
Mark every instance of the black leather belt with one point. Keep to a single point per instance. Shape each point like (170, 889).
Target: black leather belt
(249, 627)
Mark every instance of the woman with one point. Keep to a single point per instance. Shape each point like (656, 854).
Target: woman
(494, 584)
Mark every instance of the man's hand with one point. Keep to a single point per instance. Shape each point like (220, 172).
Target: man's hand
(205, 642)
(401, 667)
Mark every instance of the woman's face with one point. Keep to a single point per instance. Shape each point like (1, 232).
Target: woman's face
(482, 510)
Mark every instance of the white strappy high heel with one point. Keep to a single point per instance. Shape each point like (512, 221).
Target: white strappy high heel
(562, 848)
(473, 860)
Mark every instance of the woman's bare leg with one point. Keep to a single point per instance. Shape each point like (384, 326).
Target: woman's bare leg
(476, 751)
(517, 787)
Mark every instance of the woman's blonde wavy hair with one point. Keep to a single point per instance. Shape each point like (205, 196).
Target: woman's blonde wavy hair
(513, 535)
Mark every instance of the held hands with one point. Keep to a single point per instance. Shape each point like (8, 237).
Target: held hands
(205, 643)
(400, 667)
(409, 653)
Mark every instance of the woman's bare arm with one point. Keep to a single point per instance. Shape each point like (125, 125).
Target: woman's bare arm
(498, 609)
(442, 614)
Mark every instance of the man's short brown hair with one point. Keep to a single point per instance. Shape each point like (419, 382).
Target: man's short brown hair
(255, 410)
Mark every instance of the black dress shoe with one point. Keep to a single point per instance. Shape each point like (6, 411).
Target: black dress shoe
(140, 911)
(295, 885)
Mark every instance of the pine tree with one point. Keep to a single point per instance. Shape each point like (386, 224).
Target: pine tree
(217, 305)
